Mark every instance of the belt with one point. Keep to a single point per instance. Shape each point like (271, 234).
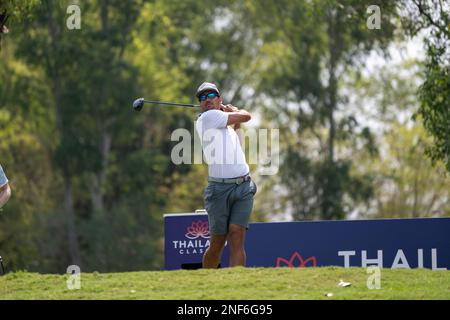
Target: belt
(237, 180)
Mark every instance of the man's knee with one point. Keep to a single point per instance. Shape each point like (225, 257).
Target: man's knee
(216, 245)
(236, 235)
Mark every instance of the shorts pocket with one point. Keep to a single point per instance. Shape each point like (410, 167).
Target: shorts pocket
(209, 192)
(253, 187)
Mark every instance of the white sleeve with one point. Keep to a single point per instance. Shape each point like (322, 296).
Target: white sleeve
(214, 119)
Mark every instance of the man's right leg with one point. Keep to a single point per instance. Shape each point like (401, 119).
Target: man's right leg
(211, 258)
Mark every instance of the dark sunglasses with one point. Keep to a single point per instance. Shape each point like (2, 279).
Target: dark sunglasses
(210, 95)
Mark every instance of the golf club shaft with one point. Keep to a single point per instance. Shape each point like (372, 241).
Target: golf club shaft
(171, 103)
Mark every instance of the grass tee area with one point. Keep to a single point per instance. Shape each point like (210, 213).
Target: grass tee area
(233, 283)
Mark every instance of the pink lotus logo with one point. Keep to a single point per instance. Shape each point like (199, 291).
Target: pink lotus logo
(296, 261)
(198, 229)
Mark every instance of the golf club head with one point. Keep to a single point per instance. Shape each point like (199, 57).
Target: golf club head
(138, 104)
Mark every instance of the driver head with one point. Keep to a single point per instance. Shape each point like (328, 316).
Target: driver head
(138, 104)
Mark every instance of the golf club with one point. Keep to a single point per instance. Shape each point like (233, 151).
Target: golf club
(139, 103)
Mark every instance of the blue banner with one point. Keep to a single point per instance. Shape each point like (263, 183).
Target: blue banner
(387, 243)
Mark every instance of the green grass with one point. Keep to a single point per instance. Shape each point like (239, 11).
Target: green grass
(231, 283)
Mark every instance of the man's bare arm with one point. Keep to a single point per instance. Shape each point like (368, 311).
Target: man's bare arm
(5, 193)
(235, 115)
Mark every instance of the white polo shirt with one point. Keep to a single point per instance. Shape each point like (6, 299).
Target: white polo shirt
(221, 146)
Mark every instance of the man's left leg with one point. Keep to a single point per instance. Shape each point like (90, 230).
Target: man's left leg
(236, 238)
(240, 212)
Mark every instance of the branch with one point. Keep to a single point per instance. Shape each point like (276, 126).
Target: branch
(423, 12)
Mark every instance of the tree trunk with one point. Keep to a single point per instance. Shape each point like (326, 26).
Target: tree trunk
(334, 52)
(331, 198)
(106, 122)
(98, 179)
(74, 250)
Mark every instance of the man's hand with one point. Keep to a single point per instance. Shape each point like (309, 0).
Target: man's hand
(229, 108)
(236, 115)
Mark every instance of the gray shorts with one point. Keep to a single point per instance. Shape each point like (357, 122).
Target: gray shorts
(228, 203)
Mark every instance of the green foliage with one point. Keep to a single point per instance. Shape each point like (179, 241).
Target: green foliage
(404, 182)
(71, 92)
(406, 185)
(432, 18)
(435, 108)
(14, 12)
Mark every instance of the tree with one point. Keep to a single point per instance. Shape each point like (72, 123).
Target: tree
(111, 167)
(433, 18)
(406, 184)
(25, 137)
(298, 71)
(13, 12)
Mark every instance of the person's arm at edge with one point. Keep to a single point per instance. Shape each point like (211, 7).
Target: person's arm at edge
(5, 194)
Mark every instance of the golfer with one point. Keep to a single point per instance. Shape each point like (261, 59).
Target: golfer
(229, 194)
(5, 190)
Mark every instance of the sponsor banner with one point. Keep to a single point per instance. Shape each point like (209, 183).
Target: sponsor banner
(186, 237)
(387, 243)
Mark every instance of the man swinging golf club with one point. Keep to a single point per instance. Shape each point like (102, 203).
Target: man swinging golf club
(230, 191)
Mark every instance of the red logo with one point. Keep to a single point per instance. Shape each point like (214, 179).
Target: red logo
(296, 261)
(198, 229)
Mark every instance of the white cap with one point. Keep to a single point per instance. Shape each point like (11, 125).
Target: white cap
(206, 86)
